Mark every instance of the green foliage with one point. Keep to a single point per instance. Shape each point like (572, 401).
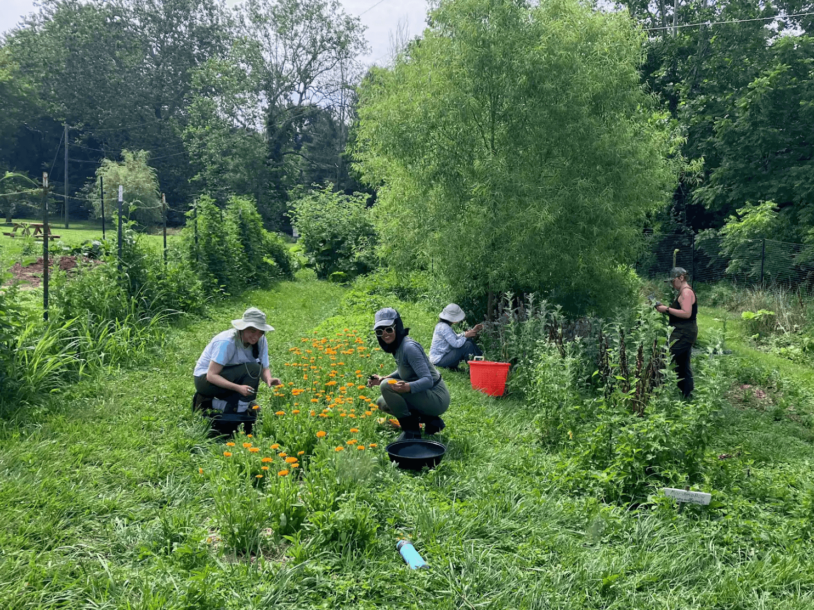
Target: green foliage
(141, 200)
(336, 233)
(760, 322)
(233, 251)
(507, 180)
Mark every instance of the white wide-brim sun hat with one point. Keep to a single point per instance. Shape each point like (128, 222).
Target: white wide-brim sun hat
(252, 318)
(452, 313)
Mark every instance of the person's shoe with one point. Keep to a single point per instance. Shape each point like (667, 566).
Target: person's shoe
(433, 425)
(410, 428)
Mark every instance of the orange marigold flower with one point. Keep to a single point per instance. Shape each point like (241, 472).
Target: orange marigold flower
(300, 452)
(264, 468)
(361, 447)
(227, 454)
(275, 446)
(340, 448)
(246, 445)
(254, 449)
(255, 407)
(352, 441)
(248, 436)
(313, 413)
(368, 413)
(392, 381)
(282, 473)
(295, 465)
(200, 470)
(266, 460)
(258, 476)
(372, 445)
(280, 413)
(352, 415)
(314, 400)
(321, 434)
(343, 415)
(290, 460)
(360, 387)
(354, 430)
(296, 411)
(283, 454)
(230, 444)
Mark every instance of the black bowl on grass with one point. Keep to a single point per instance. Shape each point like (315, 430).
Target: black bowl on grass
(416, 453)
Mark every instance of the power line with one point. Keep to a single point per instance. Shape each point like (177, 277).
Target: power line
(62, 137)
(710, 23)
(371, 8)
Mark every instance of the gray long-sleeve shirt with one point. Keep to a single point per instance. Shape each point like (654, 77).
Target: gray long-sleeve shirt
(414, 367)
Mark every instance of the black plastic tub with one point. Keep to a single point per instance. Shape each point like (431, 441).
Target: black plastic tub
(415, 454)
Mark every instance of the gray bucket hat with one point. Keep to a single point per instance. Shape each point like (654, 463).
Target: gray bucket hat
(452, 313)
(385, 317)
(252, 318)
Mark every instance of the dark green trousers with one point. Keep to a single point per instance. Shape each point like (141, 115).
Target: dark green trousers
(241, 374)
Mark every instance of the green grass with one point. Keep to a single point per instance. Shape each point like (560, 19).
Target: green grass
(103, 506)
(80, 231)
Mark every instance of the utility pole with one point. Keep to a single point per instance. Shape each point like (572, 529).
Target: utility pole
(65, 135)
(45, 235)
(675, 17)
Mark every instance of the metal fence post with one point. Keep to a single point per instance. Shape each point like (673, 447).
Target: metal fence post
(121, 197)
(692, 277)
(762, 259)
(45, 234)
(102, 189)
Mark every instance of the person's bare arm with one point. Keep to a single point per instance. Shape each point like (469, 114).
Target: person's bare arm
(685, 299)
(213, 376)
(269, 380)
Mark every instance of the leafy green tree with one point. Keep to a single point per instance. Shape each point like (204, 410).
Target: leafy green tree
(141, 200)
(336, 233)
(515, 147)
(765, 144)
(119, 72)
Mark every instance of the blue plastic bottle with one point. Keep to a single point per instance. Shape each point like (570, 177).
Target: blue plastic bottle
(410, 555)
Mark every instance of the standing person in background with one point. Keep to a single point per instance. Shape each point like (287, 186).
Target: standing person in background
(234, 362)
(414, 392)
(682, 312)
(449, 348)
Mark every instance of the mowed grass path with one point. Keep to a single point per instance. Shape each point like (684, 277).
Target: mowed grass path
(96, 484)
(80, 231)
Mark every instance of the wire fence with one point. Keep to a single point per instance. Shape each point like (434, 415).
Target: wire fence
(709, 259)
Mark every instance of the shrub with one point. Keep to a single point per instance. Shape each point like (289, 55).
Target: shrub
(335, 232)
(233, 251)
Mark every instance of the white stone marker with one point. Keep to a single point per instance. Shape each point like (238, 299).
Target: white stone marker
(691, 497)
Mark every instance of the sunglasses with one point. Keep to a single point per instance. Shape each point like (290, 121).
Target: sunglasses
(385, 330)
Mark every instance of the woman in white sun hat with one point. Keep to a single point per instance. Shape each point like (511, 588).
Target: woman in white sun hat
(231, 367)
(449, 348)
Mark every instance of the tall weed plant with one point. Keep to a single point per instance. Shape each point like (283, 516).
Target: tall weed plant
(622, 429)
(228, 249)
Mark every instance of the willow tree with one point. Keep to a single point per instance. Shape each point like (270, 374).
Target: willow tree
(514, 145)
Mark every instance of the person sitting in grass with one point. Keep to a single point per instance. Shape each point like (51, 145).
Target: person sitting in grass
(449, 348)
(414, 393)
(231, 367)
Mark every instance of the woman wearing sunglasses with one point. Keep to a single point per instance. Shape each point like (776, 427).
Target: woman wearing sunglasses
(414, 392)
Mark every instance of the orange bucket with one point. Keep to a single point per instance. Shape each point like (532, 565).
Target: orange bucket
(489, 377)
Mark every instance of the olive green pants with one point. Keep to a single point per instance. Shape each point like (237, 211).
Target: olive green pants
(429, 402)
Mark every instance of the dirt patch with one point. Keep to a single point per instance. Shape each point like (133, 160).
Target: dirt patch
(31, 275)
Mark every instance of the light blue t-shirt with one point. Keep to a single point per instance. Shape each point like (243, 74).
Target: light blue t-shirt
(226, 350)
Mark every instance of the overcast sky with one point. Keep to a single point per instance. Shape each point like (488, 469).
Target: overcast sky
(380, 18)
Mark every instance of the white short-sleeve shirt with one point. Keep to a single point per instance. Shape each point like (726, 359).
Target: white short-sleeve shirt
(226, 350)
